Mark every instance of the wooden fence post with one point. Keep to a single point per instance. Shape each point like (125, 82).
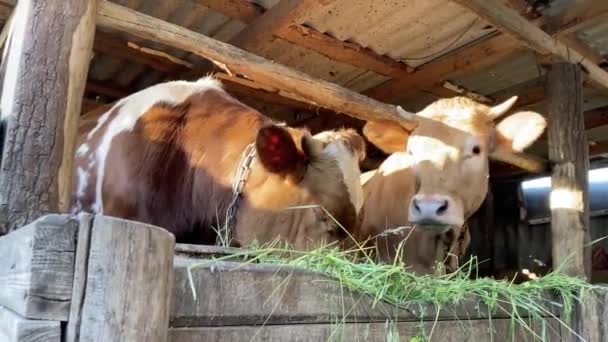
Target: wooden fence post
(47, 62)
(570, 155)
(569, 152)
(123, 284)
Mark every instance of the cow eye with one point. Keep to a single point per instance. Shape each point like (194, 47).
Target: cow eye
(476, 149)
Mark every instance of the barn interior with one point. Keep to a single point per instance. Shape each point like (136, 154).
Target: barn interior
(406, 53)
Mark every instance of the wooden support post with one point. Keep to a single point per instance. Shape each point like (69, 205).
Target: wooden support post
(14, 328)
(569, 152)
(124, 293)
(36, 268)
(46, 68)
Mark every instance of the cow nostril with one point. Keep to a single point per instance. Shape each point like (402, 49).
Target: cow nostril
(416, 207)
(443, 208)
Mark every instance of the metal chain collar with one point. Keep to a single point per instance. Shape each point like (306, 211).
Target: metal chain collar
(242, 173)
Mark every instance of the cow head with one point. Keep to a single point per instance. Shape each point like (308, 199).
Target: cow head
(448, 153)
(309, 184)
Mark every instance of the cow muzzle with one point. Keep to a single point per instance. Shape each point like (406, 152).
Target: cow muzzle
(435, 213)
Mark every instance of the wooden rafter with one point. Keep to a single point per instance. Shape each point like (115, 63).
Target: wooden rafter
(510, 22)
(242, 10)
(345, 52)
(120, 48)
(483, 53)
(322, 93)
(263, 28)
(107, 89)
(478, 56)
(279, 22)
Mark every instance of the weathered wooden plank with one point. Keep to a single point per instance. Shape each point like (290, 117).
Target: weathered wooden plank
(444, 331)
(590, 318)
(14, 328)
(568, 151)
(231, 293)
(80, 272)
(128, 282)
(37, 268)
(46, 67)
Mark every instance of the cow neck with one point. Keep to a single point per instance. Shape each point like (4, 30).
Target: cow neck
(238, 184)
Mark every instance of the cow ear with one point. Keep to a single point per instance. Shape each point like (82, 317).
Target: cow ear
(388, 136)
(520, 130)
(276, 149)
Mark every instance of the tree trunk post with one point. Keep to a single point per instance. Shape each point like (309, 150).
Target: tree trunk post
(47, 60)
(569, 153)
(570, 228)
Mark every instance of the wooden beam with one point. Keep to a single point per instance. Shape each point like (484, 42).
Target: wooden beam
(287, 29)
(262, 29)
(344, 52)
(576, 16)
(246, 87)
(569, 189)
(107, 89)
(598, 149)
(41, 120)
(510, 22)
(253, 67)
(121, 49)
(242, 10)
(478, 56)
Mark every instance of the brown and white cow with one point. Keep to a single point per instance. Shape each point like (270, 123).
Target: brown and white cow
(169, 154)
(437, 176)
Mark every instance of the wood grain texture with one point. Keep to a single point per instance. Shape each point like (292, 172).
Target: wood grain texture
(444, 331)
(471, 58)
(14, 328)
(263, 71)
(510, 22)
(344, 52)
(590, 318)
(231, 293)
(80, 276)
(46, 66)
(37, 268)
(128, 282)
(570, 156)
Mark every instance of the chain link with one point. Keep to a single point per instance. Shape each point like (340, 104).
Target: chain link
(242, 173)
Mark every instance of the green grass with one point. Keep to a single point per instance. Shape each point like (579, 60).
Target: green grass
(392, 284)
(357, 270)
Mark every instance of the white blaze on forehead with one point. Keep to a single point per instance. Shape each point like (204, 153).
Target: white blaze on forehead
(348, 161)
(430, 149)
(134, 107)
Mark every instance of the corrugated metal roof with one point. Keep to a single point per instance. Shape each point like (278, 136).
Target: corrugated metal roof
(414, 31)
(521, 67)
(596, 37)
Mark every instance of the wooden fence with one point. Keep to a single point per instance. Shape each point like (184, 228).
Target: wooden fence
(96, 278)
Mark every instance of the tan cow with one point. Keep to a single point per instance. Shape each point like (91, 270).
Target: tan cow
(172, 155)
(437, 176)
